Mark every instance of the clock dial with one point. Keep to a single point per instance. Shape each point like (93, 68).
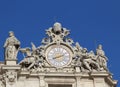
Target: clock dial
(58, 56)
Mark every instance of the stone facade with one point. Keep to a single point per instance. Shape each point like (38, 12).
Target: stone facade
(58, 62)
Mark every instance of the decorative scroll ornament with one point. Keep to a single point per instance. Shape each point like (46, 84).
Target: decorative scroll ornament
(57, 34)
(35, 58)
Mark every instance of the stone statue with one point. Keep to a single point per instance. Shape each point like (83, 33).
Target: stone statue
(34, 58)
(77, 54)
(101, 58)
(84, 59)
(94, 64)
(77, 50)
(88, 60)
(11, 46)
(28, 58)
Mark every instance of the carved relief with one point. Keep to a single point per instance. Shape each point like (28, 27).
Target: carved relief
(58, 60)
(35, 59)
(11, 76)
(2, 81)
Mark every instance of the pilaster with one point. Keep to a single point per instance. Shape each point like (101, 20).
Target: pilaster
(42, 81)
(78, 81)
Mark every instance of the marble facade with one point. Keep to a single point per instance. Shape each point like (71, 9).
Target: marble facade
(58, 62)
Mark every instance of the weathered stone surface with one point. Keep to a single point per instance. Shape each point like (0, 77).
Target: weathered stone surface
(11, 46)
(57, 62)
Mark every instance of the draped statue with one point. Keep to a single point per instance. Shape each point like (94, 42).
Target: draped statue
(11, 46)
(101, 58)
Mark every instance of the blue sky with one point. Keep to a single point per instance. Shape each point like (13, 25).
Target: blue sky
(91, 22)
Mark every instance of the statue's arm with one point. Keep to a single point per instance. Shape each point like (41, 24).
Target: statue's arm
(6, 43)
(17, 41)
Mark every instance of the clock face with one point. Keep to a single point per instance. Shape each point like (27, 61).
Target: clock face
(59, 56)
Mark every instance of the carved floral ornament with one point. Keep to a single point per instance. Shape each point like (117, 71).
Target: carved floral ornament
(58, 52)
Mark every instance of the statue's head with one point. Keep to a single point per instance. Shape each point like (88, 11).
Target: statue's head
(91, 52)
(99, 46)
(11, 33)
(57, 27)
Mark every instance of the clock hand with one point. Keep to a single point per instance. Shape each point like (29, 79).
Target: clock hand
(58, 56)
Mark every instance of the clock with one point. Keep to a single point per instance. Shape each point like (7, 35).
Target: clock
(58, 55)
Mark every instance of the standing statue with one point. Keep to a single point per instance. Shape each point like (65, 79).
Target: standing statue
(101, 58)
(11, 46)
